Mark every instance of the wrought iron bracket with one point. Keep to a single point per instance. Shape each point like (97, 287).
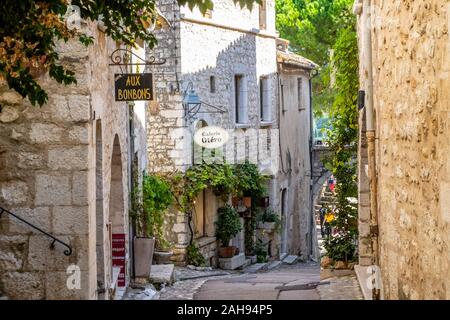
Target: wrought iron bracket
(121, 57)
(190, 114)
(67, 252)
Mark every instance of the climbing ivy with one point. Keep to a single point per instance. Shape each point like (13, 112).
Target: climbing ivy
(343, 141)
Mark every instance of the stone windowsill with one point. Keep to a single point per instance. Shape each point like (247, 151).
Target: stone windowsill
(266, 123)
(204, 241)
(242, 125)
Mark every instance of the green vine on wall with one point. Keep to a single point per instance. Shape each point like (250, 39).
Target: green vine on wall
(149, 204)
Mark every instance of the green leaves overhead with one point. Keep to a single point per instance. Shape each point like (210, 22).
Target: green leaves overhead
(29, 31)
(204, 5)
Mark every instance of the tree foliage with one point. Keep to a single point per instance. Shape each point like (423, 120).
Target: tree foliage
(30, 30)
(324, 31)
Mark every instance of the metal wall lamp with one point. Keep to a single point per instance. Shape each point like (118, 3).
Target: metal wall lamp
(192, 105)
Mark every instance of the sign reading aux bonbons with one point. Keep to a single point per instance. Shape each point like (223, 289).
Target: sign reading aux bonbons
(133, 86)
(211, 137)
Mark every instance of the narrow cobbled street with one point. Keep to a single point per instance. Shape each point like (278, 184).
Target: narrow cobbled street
(300, 281)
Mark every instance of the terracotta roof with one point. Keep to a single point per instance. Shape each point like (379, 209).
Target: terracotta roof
(291, 58)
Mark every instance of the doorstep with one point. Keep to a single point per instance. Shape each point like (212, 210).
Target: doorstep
(362, 274)
(162, 273)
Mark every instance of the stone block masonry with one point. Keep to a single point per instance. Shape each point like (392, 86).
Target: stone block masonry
(411, 99)
(56, 171)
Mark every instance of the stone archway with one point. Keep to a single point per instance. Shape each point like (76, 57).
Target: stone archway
(285, 222)
(117, 225)
(99, 212)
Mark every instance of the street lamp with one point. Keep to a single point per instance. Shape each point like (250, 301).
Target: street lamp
(192, 104)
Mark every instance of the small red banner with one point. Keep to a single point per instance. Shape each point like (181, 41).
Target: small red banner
(118, 254)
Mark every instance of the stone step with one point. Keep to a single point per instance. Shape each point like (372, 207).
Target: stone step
(290, 259)
(274, 264)
(328, 194)
(256, 267)
(327, 199)
(162, 273)
(325, 203)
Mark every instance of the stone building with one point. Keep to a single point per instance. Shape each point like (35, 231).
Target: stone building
(65, 168)
(229, 58)
(295, 170)
(404, 172)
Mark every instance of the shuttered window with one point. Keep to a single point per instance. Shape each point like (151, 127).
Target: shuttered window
(265, 110)
(300, 94)
(240, 88)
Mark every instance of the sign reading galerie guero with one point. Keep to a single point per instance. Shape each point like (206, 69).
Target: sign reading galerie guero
(133, 86)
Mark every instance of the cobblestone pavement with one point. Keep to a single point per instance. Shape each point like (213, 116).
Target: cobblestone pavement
(183, 290)
(300, 281)
(340, 288)
(287, 282)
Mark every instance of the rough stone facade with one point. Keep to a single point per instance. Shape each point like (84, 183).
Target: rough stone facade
(200, 50)
(411, 67)
(295, 173)
(65, 168)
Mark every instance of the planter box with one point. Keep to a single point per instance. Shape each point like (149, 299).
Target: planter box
(232, 263)
(143, 256)
(162, 257)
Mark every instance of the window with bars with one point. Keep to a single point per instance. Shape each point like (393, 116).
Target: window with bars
(264, 97)
(212, 84)
(240, 95)
(283, 107)
(300, 102)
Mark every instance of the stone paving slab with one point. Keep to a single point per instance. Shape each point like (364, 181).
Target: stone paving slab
(290, 259)
(184, 273)
(162, 273)
(299, 295)
(255, 267)
(341, 288)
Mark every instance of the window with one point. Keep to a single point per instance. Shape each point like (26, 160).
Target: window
(282, 97)
(299, 94)
(212, 84)
(264, 99)
(262, 15)
(240, 95)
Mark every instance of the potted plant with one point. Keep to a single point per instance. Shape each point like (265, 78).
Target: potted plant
(148, 216)
(228, 226)
(269, 220)
(247, 202)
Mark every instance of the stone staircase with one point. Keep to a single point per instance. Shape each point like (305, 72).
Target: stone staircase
(327, 199)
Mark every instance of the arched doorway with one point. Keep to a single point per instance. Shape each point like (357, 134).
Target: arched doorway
(117, 234)
(284, 219)
(99, 215)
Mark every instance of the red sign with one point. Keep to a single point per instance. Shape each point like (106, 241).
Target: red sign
(118, 256)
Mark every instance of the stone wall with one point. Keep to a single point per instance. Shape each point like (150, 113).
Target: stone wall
(52, 175)
(295, 172)
(411, 66)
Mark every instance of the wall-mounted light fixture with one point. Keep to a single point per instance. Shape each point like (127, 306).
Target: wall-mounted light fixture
(192, 104)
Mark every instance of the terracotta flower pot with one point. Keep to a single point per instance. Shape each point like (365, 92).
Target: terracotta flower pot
(227, 252)
(235, 201)
(247, 201)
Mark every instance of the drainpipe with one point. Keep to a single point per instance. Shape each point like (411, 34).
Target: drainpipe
(370, 133)
(313, 73)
